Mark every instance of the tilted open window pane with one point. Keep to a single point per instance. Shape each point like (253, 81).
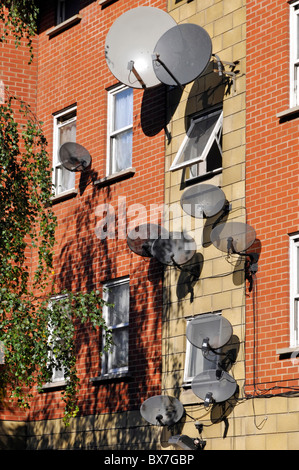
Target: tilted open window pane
(204, 133)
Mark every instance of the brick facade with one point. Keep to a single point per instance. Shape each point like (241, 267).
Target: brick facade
(271, 192)
(70, 68)
(260, 180)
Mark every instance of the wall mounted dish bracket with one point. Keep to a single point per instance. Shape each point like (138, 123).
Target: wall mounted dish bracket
(231, 73)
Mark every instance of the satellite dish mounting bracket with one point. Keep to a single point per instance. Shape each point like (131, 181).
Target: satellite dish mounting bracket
(231, 73)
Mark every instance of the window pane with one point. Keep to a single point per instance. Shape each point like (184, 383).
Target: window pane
(67, 133)
(65, 179)
(123, 111)
(199, 137)
(122, 151)
(119, 297)
(119, 355)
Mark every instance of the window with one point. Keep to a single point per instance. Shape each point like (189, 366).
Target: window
(58, 373)
(294, 54)
(201, 150)
(64, 131)
(66, 9)
(117, 293)
(294, 290)
(120, 129)
(197, 360)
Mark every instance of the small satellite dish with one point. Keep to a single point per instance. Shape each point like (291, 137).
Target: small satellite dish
(214, 385)
(74, 157)
(212, 328)
(130, 43)
(141, 238)
(233, 237)
(162, 410)
(177, 249)
(203, 200)
(182, 54)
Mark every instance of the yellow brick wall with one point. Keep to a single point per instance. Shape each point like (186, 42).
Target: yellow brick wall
(260, 423)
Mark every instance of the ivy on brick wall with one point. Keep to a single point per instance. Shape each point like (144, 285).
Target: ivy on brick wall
(18, 19)
(37, 333)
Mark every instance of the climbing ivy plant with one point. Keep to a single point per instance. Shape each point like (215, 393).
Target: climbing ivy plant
(37, 333)
(18, 18)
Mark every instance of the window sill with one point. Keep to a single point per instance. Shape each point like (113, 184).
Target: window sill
(54, 385)
(64, 196)
(111, 377)
(104, 3)
(286, 353)
(65, 25)
(288, 114)
(121, 175)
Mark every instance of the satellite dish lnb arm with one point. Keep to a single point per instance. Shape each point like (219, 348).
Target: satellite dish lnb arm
(134, 71)
(157, 58)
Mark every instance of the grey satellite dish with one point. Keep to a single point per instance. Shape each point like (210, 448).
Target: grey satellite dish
(130, 43)
(177, 249)
(233, 237)
(162, 410)
(141, 239)
(182, 54)
(213, 385)
(213, 329)
(203, 200)
(74, 157)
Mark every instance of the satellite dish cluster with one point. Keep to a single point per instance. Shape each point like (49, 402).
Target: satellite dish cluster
(209, 332)
(146, 47)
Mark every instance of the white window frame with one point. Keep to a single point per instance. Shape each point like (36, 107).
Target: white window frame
(111, 134)
(205, 364)
(177, 164)
(55, 380)
(294, 290)
(294, 54)
(57, 167)
(107, 370)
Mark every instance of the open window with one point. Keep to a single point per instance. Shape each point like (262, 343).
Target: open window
(201, 149)
(197, 359)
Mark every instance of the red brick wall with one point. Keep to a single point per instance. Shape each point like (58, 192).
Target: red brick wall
(271, 192)
(72, 69)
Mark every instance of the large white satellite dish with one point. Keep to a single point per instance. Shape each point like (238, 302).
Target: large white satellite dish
(130, 43)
